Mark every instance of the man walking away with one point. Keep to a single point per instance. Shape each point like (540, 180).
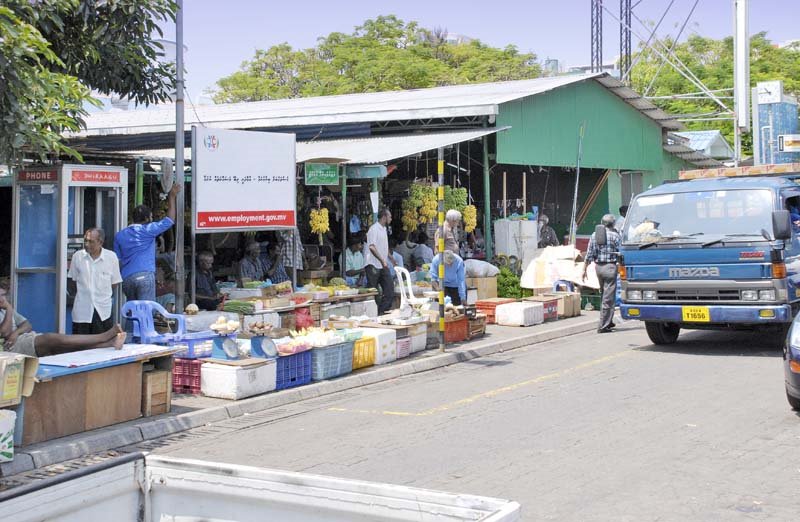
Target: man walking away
(605, 258)
(136, 249)
(95, 271)
(377, 260)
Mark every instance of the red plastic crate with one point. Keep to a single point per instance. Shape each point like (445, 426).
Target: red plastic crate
(186, 390)
(456, 330)
(191, 381)
(187, 367)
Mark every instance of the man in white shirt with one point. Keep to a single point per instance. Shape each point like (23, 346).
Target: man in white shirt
(377, 260)
(95, 271)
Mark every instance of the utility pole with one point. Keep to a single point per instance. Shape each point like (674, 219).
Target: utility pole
(625, 41)
(597, 35)
(180, 273)
(741, 75)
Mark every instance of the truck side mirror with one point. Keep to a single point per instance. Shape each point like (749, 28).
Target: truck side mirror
(600, 237)
(781, 224)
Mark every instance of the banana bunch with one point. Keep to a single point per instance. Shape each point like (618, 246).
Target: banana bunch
(319, 221)
(470, 215)
(429, 208)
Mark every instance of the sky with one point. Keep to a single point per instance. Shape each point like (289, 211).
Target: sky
(219, 35)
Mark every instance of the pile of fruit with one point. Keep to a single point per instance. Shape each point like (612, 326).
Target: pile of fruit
(470, 215)
(319, 222)
(224, 327)
(259, 328)
(422, 205)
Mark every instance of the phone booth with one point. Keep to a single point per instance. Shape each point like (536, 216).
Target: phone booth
(54, 206)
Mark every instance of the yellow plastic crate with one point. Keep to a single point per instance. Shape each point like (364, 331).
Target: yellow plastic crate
(363, 352)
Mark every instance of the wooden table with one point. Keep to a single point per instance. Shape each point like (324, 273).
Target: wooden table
(67, 400)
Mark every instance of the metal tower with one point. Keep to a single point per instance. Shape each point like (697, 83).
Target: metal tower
(625, 40)
(597, 35)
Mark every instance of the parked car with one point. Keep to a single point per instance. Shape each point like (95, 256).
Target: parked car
(791, 365)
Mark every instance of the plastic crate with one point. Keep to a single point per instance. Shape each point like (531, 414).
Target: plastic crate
(456, 330)
(595, 300)
(185, 390)
(293, 370)
(403, 347)
(187, 367)
(191, 381)
(195, 345)
(363, 352)
(331, 361)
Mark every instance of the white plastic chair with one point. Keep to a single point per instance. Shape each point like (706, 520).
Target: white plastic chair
(406, 290)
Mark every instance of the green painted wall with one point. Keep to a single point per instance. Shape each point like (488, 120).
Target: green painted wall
(544, 130)
(610, 199)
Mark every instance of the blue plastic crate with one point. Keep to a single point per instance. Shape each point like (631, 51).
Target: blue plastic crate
(195, 344)
(331, 361)
(293, 370)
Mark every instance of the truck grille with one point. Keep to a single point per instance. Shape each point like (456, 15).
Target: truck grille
(698, 295)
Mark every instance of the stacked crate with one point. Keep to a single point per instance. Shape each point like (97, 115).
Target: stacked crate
(186, 376)
(488, 306)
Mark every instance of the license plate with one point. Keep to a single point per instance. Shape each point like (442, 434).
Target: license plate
(696, 314)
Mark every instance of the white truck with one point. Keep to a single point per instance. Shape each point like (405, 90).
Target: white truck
(145, 488)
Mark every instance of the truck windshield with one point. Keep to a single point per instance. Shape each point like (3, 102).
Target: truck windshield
(683, 216)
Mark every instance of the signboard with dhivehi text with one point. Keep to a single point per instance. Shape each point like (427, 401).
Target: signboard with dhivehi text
(243, 180)
(322, 174)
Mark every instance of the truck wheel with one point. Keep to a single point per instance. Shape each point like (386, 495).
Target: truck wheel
(662, 333)
(794, 402)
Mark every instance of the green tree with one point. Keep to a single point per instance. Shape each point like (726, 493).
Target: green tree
(52, 52)
(380, 55)
(712, 62)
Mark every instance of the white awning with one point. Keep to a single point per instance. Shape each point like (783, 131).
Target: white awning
(359, 151)
(383, 149)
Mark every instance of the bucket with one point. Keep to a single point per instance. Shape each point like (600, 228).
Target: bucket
(8, 419)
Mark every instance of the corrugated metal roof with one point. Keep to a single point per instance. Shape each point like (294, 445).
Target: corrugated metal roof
(360, 150)
(679, 146)
(439, 102)
(710, 142)
(383, 149)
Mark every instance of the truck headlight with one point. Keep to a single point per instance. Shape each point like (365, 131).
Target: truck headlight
(649, 295)
(749, 295)
(766, 295)
(635, 295)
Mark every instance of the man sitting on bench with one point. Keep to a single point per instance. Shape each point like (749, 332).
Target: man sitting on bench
(19, 337)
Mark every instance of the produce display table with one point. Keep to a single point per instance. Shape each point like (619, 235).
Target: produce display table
(68, 400)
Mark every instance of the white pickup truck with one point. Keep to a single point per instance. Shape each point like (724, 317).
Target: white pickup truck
(145, 488)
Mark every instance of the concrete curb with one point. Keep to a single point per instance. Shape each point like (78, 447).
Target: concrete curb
(83, 444)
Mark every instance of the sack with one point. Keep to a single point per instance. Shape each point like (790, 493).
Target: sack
(477, 268)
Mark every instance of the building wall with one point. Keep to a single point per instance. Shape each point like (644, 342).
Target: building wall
(544, 130)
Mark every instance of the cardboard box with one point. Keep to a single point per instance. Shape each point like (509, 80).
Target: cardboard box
(8, 421)
(486, 286)
(569, 303)
(549, 303)
(17, 377)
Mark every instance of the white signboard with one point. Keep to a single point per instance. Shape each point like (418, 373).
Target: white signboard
(789, 143)
(243, 180)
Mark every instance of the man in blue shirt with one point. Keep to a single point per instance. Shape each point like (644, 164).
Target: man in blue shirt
(135, 247)
(455, 277)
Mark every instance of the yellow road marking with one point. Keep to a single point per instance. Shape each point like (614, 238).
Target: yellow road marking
(491, 393)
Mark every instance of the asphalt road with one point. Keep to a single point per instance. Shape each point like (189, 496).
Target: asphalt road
(589, 427)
